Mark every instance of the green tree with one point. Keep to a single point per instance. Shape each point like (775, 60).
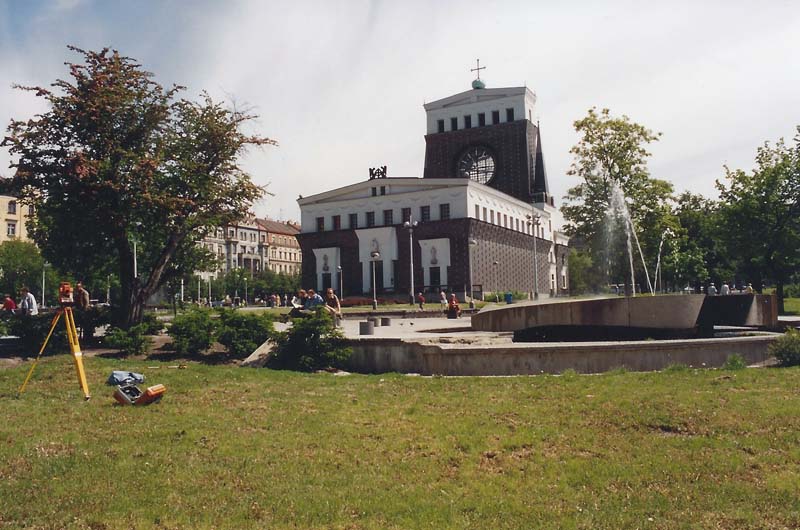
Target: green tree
(118, 159)
(21, 264)
(613, 151)
(760, 214)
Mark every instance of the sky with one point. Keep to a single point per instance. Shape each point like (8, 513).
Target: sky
(340, 85)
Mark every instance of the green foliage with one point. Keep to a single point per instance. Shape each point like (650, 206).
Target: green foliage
(131, 341)
(787, 348)
(117, 146)
(613, 150)
(93, 318)
(734, 362)
(760, 213)
(241, 333)
(32, 330)
(676, 368)
(310, 344)
(583, 275)
(193, 331)
(21, 264)
(151, 324)
(792, 291)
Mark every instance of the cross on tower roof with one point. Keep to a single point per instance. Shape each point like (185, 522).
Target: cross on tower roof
(478, 68)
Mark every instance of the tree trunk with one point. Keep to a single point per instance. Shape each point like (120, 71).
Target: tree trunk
(779, 292)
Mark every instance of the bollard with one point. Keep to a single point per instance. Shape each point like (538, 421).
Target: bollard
(386, 321)
(366, 328)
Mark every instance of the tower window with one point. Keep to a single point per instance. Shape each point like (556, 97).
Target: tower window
(444, 211)
(453, 124)
(388, 217)
(406, 214)
(495, 117)
(510, 114)
(370, 219)
(353, 221)
(477, 212)
(320, 224)
(440, 126)
(337, 222)
(468, 122)
(484, 214)
(491, 216)
(481, 119)
(425, 213)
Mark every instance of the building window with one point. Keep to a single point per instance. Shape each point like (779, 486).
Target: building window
(353, 221)
(406, 214)
(370, 219)
(425, 213)
(495, 117)
(505, 220)
(320, 224)
(231, 233)
(11, 229)
(468, 122)
(491, 216)
(12, 207)
(440, 125)
(30, 211)
(481, 119)
(477, 212)
(388, 217)
(383, 190)
(510, 114)
(517, 223)
(484, 213)
(453, 124)
(444, 211)
(374, 192)
(337, 222)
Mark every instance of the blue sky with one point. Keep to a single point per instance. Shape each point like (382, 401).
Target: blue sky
(341, 84)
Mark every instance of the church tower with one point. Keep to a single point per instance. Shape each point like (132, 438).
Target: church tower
(488, 135)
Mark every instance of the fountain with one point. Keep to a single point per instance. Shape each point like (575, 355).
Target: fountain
(618, 216)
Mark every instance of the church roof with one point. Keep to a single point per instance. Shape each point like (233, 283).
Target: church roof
(479, 95)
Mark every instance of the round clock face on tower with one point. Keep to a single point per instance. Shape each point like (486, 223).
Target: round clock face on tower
(477, 163)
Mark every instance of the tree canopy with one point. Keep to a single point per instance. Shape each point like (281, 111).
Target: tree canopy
(119, 160)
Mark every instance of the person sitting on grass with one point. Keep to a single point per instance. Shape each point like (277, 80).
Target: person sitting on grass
(453, 309)
(9, 305)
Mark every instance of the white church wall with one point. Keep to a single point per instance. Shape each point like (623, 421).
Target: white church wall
(382, 240)
(479, 101)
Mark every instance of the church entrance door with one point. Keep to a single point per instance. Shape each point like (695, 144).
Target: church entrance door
(326, 281)
(378, 276)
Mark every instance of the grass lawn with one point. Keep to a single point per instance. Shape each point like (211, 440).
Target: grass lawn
(791, 306)
(244, 448)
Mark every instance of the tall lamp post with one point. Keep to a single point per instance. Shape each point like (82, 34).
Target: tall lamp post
(496, 287)
(341, 283)
(534, 221)
(472, 243)
(410, 224)
(375, 255)
(245, 290)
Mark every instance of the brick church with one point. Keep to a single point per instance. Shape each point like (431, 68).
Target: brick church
(471, 222)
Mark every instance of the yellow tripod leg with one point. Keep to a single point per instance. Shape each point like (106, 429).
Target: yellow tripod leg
(44, 345)
(75, 348)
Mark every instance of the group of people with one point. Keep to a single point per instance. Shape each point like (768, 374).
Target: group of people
(307, 301)
(725, 289)
(28, 306)
(450, 306)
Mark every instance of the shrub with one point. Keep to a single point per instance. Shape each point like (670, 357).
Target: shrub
(787, 348)
(152, 324)
(241, 333)
(133, 341)
(734, 362)
(193, 332)
(310, 344)
(676, 368)
(32, 330)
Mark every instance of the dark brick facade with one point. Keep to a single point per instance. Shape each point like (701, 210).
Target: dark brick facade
(516, 151)
(513, 250)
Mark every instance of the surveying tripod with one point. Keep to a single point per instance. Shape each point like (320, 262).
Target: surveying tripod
(65, 298)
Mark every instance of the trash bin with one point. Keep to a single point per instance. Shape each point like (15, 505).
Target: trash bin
(509, 298)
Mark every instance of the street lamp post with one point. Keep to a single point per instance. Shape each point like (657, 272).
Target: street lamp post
(534, 221)
(472, 243)
(410, 224)
(375, 255)
(341, 283)
(496, 288)
(245, 290)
